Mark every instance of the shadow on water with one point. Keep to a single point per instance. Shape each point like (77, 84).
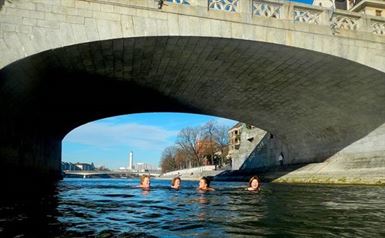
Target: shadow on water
(266, 174)
(29, 210)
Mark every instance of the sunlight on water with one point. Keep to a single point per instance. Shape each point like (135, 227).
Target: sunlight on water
(114, 207)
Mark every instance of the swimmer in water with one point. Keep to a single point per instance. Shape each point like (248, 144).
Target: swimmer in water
(175, 183)
(204, 185)
(254, 184)
(145, 182)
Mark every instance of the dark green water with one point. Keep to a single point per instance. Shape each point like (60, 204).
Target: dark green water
(115, 208)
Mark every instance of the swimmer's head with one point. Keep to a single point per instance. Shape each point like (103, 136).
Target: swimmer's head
(204, 183)
(175, 182)
(145, 181)
(254, 183)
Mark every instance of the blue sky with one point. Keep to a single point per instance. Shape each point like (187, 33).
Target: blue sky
(108, 141)
(303, 1)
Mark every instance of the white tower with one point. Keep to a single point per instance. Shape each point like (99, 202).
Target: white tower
(130, 160)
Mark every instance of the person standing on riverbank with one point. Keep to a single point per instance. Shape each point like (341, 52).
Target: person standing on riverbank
(254, 184)
(280, 159)
(204, 185)
(175, 183)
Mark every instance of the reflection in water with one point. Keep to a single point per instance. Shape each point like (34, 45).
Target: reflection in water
(112, 207)
(203, 200)
(33, 214)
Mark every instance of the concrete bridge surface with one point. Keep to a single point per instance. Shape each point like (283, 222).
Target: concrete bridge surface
(313, 77)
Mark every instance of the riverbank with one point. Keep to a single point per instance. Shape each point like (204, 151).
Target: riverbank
(336, 170)
(373, 176)
(192, 174)
(184, 179)
(369, 172)
(193, 177)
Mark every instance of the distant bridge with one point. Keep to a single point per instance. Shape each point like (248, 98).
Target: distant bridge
(122, 173)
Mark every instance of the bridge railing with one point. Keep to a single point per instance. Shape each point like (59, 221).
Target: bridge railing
(337, 20)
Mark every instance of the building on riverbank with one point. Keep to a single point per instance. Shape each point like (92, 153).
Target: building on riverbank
(85, 166)
(367, 7)
(234, 137)
(141, 167)
(243, 139)
(69, 166)
(251, 148)
(77, 166)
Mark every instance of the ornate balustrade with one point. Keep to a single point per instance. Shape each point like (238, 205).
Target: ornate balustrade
(266, 9)
(224, 5)
(337, 20)
(183, 2)
(378, 27)
(311, 16)
(345, 21)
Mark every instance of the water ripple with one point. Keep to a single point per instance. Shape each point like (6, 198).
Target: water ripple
(116, 208)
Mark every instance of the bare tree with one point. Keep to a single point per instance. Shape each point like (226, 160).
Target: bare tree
(218, 138)
(167, 161)
(193, 144)
(181, 159)
(187, 141)
(222, 138)
(209, 131)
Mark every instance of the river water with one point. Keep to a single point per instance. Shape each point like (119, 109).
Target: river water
(115, 208)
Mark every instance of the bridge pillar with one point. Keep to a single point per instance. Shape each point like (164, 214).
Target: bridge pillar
(29, 153)
(30, 146)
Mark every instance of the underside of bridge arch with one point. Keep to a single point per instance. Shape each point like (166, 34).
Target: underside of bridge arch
(316, 104)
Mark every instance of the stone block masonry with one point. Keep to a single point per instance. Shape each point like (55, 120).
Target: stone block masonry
(319, 87)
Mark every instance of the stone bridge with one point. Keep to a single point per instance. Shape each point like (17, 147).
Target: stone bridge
(313, 77)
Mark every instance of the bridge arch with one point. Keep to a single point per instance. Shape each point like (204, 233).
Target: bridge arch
(277, 88)
(267, 72)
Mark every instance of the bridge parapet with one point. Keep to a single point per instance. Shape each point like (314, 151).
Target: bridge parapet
(278, 9)
(34, 26)
(296, 12)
